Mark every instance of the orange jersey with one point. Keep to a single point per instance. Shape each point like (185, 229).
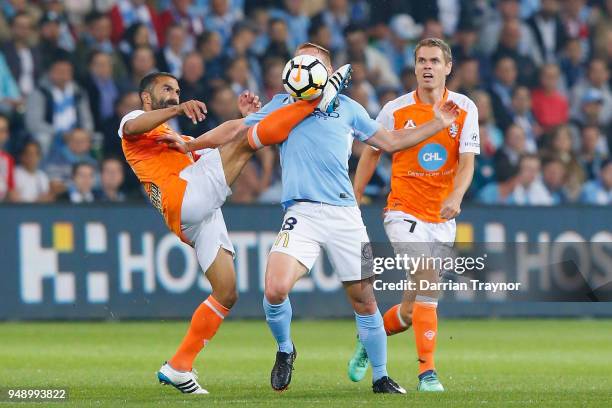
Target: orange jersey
(158, 168)
(423, 176)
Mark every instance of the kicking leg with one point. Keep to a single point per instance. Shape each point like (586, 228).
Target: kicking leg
(273, 129)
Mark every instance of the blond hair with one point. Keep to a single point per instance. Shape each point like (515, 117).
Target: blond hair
(435, 42)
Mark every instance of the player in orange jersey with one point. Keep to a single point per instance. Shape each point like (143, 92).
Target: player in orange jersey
(428, 182)
(189, 193)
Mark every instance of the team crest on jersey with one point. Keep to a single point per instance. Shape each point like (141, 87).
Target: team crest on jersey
(453, 129)
(409, 124)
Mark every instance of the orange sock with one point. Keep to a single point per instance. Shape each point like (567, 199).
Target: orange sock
(393, 321)
(204, 324)
(275, 127)
(425, 326)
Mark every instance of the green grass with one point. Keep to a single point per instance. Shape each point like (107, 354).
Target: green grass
(481, 362)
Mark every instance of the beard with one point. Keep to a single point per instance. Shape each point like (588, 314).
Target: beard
(166, 103)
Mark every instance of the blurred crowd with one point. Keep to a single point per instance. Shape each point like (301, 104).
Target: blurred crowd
(537, 70)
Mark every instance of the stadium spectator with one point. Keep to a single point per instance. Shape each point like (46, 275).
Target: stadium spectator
(97, 37)
(379, 71)
(243, 37)
(548, 30)
(57, 106)
(7, 163)
(399, 46)
(182, 12)
(509, 46)
(170, 57)
(466, 78)
(272, 82)
(293, 15)
(57, 10)
(240, 78)
(278, 44)
(320, 35)
(10, 9)
(222, 107)
(221, 18)
(210, 48)
(111, 180)
(134, 37)
(598, 76)
(336, 16)
(529, 188)
(591, 108)
(141, 64)
(591, 154)
(571, 63)
(102, 90)
(550, 106)
(77, 149)
(554, 174)
(494, 20)
(523, 116)
(22, 58)
(10, 98)
(49, 41)
(502, 86)
(495, 138)
(127, 12)
(31, 183)
(362, 90)
(509, 154)
(599, 191)
(193, 86)
(560, 145)
(80, 190)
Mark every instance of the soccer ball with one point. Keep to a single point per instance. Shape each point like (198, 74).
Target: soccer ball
(304, 77)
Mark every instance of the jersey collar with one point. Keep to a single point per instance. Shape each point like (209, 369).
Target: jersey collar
(418, 100)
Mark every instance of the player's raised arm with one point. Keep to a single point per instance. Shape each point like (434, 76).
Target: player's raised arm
(194, 110)
(395, 140)
(365, 169)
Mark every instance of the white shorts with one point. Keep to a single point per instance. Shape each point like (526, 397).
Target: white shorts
(201, 218)
(410, 234)
(308, 227)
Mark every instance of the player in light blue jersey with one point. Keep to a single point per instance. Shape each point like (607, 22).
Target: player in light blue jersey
(321, 211)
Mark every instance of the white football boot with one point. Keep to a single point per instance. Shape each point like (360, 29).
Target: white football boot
(184, 381)
(335, 84)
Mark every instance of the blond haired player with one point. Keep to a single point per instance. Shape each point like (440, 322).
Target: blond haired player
(189, 193)
(428, 182)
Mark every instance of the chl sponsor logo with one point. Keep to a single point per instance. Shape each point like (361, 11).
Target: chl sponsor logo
(432, 156)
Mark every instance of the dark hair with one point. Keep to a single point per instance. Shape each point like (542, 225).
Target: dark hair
(60, 56)
(76, 166)
(94, 16)
(93, 54)
(354, 28)
(149, 80)
(110, 159)
(27, 143)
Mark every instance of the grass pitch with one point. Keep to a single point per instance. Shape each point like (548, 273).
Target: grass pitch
(480, 362)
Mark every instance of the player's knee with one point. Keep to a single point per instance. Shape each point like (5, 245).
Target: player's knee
(365, 306)
(227, 296)
(276, 293)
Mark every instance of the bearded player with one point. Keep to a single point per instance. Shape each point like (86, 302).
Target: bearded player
(321, 212)
(189, 193)
(428, 182)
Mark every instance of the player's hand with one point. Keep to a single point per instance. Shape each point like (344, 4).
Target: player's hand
(446, 112)
(451, 207)
(248, 103)
(174, 141)
(195, 110)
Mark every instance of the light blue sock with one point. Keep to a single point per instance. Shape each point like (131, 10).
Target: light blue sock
(279, 321)
(371, 329)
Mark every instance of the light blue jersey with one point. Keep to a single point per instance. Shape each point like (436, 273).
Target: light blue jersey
(314, 159)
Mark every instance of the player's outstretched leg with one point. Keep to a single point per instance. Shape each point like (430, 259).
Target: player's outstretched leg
(371, 332)
(281, 274)
(335, 84)
(205, 322)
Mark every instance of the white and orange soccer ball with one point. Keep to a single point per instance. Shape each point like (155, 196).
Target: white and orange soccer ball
(304, 77)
